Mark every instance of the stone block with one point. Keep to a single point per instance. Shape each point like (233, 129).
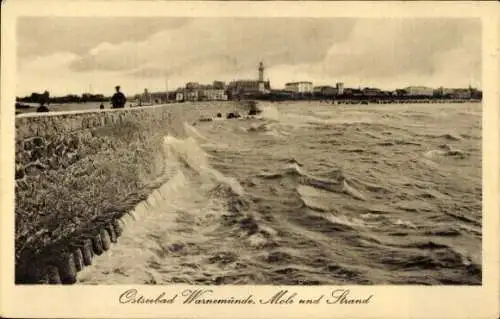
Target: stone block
(67, 268)
(105, 239)
(79, 262)
(117, 227)
(87, 251)
(97, 244)
(112, 234)
(53, 275)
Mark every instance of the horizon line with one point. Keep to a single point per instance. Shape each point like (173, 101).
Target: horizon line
(282, 88)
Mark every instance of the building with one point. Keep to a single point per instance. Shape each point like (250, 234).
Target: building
(212, 94)
(261, 72)
(325, 90)
(340, 88)
(199, 92)
(179, 95)
(159, 97)
(399, 93)
(247, 88)
(419, 91)
(353, 92)
(219, 85)
(302, 87)
(464, 93)
(192, 85)
(371, 92)
(457, 93)
(191, 95)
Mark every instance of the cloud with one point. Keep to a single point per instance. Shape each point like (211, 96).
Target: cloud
(47, 63)
(33, 73)
(52, 72)
(234, 43)
(142, 52)
(393, 52)
(45, 35)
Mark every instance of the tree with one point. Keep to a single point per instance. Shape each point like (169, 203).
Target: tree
(34, 98)
(44, 98)
(86, 97)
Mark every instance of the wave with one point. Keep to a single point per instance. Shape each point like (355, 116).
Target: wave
(446, 151)
(446, 136)
(430, 255)
(182, 215)
(237, 213)
(243, 214)
(193, 132)
(338, 184)
(272, 113)
(191, 155)
(272, 129)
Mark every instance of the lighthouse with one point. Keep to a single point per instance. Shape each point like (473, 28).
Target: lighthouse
(246, 88)
(261, 72)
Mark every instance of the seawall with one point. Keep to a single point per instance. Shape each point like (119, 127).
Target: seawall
(77, 173)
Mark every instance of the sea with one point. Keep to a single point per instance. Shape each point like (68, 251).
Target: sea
(311, 193)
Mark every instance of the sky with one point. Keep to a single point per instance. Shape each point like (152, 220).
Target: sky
(93, 54)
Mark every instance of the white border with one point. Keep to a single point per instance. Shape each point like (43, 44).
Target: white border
(389, 301)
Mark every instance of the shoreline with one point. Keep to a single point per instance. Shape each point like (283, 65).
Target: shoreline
(367, 100)
(59, 155)
(94, 108)
(68, 166)
(89, 107)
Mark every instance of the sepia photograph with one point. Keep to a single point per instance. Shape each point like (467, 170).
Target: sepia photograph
(282, 151)
(253, 151)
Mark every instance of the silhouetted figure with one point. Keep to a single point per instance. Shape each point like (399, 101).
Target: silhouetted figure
(219, 115)
(101, 106)
(118, 99)
(42, 108)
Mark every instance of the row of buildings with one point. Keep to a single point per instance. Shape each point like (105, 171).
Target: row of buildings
(260, 88)
(307, 88)
(199, 92)
(217, 91)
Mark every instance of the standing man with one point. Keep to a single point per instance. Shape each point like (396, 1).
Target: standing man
(118, 99)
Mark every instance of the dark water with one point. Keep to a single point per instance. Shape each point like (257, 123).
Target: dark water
(311, 193)
(65, 107)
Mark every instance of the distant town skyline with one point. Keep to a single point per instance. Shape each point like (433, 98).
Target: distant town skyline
(82, 54)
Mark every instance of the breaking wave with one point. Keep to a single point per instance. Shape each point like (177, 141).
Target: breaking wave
(300, 197)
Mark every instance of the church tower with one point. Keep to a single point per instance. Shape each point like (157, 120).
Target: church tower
(261, 72)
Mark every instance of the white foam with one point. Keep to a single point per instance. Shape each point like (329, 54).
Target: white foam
(296, 120)
(189, 152)
(193, 132)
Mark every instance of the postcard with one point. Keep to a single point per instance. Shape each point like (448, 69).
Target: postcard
(250, 159)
